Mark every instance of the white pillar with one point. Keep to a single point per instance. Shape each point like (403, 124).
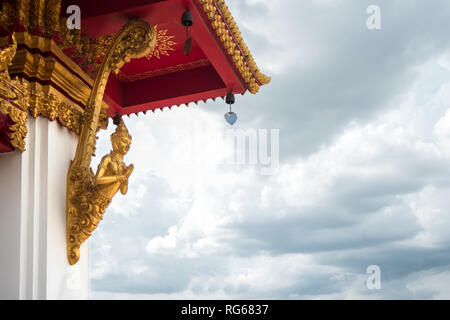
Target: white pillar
(33, 258)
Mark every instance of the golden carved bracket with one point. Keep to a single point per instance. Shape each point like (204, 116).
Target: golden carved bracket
(88, 196)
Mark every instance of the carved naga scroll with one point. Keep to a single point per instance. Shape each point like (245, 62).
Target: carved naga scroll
(88, 196)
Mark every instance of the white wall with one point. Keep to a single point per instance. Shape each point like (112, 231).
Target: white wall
(9, 225)
(33, 258)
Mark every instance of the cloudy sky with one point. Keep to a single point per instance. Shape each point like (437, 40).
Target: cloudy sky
(363, 176)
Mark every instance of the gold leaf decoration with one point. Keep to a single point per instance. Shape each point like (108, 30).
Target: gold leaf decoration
(164, 44)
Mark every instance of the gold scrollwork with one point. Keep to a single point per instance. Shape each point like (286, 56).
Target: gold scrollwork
(13, 97)
(17, 97)
(37, 16)
(50, 106)
(89, 195)
(19, 128)
(228, 32)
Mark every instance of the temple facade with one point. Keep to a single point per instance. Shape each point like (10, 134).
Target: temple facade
(69, 69)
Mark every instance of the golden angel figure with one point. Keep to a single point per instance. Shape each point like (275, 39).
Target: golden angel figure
(112, 173)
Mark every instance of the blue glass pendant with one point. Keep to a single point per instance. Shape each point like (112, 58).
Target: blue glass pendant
(231, 117)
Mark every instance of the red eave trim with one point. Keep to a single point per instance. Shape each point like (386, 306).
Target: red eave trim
(213, 49)
(178, 101)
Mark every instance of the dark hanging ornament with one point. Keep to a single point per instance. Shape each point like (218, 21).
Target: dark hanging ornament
(230, 116)
(116, 120)
(187, 20)
(229, 99)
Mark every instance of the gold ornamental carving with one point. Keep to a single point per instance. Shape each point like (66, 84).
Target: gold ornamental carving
(88, 195)
(159, 72)
(58, 89)
(13, 97)
(229, 34)
(51, 106)
(164, 44)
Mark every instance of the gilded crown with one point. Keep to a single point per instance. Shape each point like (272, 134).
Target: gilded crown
(120, 133)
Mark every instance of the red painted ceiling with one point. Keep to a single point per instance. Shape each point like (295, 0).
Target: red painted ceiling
(167, 77)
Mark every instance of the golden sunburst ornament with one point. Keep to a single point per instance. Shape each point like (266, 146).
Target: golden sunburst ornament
(164, 44)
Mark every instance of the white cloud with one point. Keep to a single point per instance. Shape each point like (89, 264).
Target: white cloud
(444, 61)
(433, 284)
(384, 167)
(375, 191)
(442, 132)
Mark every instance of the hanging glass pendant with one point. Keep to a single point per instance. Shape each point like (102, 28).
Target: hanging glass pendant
(231, 117)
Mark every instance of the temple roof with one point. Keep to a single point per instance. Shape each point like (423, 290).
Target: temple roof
(219, 61)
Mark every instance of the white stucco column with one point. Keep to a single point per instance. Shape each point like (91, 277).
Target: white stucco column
(33, 258)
